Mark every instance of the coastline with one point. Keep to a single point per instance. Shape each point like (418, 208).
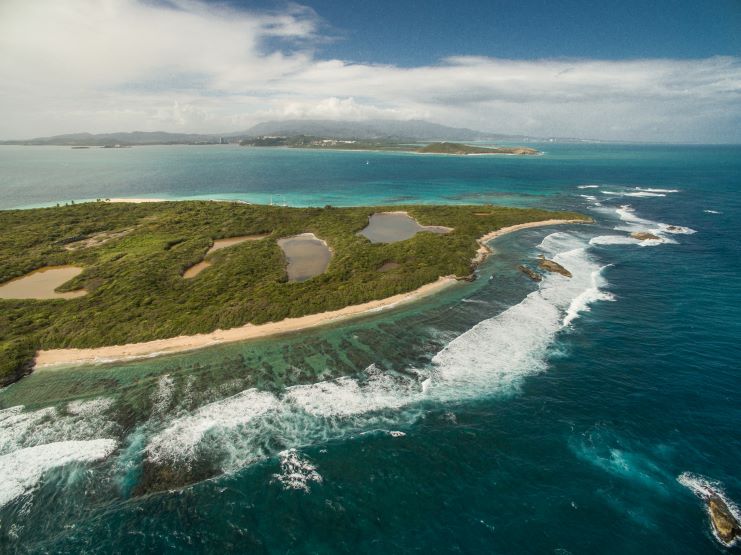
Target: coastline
(46, 359)
(484, 251)
(136, 200)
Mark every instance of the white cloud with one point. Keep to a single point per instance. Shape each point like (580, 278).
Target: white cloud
(123, 65)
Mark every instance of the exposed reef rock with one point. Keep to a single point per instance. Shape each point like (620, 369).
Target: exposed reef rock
(532, 274)
(645, 236)
(551, 266)
(724, 522)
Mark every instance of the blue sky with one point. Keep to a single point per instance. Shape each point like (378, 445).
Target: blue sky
(410, 33)
(648, 71)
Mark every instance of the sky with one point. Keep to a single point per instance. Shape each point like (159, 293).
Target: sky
(665, 70)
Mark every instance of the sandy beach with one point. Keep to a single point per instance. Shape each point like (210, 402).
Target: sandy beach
(484, 251)
(115, 353)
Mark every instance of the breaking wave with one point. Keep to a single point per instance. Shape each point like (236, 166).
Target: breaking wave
(641, 192)
(33, 442)
(23, 469)
(490, 358)
(296, 472)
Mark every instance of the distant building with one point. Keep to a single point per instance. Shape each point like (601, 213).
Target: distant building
(222, 141)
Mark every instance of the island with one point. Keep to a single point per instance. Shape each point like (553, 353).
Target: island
(386, 145)
(99, 280)
(461, 149)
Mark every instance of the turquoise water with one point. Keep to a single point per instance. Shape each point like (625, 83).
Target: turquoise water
(571, 416)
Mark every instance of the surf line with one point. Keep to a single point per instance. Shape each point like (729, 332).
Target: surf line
(51, 358)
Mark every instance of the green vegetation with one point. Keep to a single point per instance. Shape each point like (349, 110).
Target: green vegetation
(322, 143)
(307, 141)
(135, 284)
(458, 148)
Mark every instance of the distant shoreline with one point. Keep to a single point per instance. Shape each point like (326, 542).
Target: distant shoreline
(46, 359)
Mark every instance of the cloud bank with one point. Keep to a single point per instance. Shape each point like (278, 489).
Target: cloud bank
(122, 65)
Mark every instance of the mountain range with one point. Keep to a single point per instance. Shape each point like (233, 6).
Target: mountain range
(383, 130)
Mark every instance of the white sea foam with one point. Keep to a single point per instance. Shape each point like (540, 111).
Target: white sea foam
(346, 396)
(10, 412)
(475, 301)
(87, 409)
(654, 190)
(639, 194)
(588, 187)
(644, 194)
(613, 240)
(496, 353)
(80, 420)
(23, 469)
(705, 488)
(162, 397)
(632, 223)
(676, 229)
(296, 472)
(585, 299)
(487, 359)
(181, 439)
(712, 212)
(603, 240)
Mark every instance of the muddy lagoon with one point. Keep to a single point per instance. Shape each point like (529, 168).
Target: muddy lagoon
(390, 227)
(306, 255)
(42, 284)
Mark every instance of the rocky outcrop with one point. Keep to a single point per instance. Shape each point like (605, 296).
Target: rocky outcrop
(724, 522)
(551, 266)
(533, 275)
(645, 236)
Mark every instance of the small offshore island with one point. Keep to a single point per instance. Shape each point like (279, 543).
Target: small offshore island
(319, 143)
(133, 295)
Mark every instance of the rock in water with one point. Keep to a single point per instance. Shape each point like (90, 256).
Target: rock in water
(535, 276)
(644, 236)
(724, 523)
(551, 266)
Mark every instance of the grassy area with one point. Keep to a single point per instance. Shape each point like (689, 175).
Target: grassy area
(458, 148)
(135, 284)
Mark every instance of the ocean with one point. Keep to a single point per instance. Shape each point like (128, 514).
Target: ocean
(577, 415)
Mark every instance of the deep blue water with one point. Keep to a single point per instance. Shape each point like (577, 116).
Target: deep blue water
(498, 417)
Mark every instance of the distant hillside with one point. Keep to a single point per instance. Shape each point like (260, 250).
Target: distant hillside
(123, 139)
(367, 130)
(385, 131)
